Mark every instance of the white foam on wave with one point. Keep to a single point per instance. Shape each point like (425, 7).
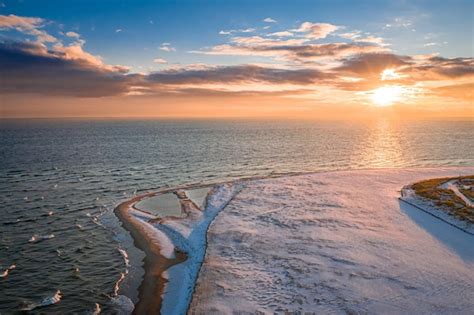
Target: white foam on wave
(50, 300)
(96, 221)
(38, 238)
(97, 309)
(117, 284)
(125, 256)
(53, 299)
(122, 274)
(7, 271)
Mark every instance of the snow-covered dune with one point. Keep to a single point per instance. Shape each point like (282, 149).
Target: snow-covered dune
(338, 242)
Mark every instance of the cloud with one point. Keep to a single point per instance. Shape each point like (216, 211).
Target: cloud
(399, 22)
(316, 30)
(160, 61)
(166, 47)
(247, 30)
(73, 34)
(290, 50)
(27, 25)
(31, 68)
(372, 64)
(118, 30)
(463, 91)
(447, 67)
(372, 39)
(245, 79)
(243, 30)
(354, 35)
(281, 34)
(371, 70)
(298, 66)
(269, 20)
(20, 22)
(70, 71)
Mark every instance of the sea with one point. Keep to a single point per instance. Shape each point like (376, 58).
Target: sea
(62, 250)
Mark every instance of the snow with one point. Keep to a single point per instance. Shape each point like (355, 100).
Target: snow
(156, 235)
(338, 242)
(189, 234)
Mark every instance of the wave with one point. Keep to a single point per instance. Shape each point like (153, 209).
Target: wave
(7, 271)
(125, 257)
(97, 309)
(38, 238)
(96, 221)
(50, 300)
(117, 284)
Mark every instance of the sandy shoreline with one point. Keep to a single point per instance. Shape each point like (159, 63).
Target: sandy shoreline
(152, 286)
(181, 242)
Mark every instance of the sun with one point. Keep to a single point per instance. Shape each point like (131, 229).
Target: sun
(387, 95)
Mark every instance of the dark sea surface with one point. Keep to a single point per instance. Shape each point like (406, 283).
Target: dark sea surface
(61, 179)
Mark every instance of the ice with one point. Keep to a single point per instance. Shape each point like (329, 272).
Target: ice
(198, 196)
(338, 242)
(162, 205)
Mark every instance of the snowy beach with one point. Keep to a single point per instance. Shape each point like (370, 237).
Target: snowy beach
(331, 242)
(335, 243)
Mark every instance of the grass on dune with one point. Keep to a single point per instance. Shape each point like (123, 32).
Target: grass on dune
(446, 199)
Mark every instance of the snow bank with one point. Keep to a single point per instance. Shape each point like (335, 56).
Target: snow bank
(338, 242)
(189, 234)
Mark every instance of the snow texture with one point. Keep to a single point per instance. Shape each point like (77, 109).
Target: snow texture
(189, 235)
(338, 242)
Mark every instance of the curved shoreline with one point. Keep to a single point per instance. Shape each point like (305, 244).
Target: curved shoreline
(153, 283)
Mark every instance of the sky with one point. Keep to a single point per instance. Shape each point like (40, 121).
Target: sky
(210, 59)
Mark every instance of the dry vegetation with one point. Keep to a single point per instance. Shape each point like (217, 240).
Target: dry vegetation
(468, 193)
(446, 199)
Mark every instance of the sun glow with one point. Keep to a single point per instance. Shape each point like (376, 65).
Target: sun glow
(390, 74)
(387, 95)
